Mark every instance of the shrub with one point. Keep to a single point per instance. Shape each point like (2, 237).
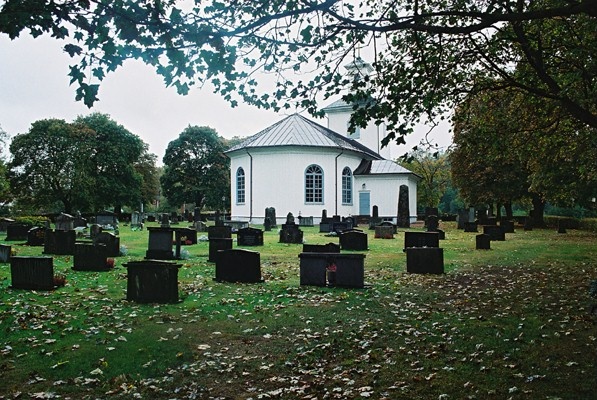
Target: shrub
(32, 220)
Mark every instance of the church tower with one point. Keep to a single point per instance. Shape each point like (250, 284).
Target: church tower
(338, 114)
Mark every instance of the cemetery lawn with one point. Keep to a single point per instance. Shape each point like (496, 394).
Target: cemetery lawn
(513, 322)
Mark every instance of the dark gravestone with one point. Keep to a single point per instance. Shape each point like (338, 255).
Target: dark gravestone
(17, 231)
(79, 222)
(321, 248)
(312, 270)
(324, 215)
(270, 213)
(442, 234)
(217, 244)
(481, 214)
(353, 240)
(425, 260)
(160, 243)
(187, 236)
(421, 239)
(305, 221)
(561, 226)
(483, 242)
(107, 219)
(197, 214)
(5, 251)
(249, 237)
(94, 230)
(111, 241)
(91, 257)
(325, 227)
(375, 219)
(152, 281)
(290, 232)
(470, 227)
(238, 265)
(375, 212)
(507, 226)
(65, 222)
(403, 208)
(36, 236)
(174, 218)
(463, 217)
(136, 221)
(165, 221)
(341, 226)
(267, 224)
(528, 224)
(32, 273)
(495, 232)
(60, 242)
(350, 270)
(200, 226)
(344, 270)
(151, 218)
(431, 211)
(432, 222)
(389, 224)
(384, 232)
(4, 222)
(219, 232)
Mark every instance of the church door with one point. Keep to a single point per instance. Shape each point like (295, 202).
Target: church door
(365, 203)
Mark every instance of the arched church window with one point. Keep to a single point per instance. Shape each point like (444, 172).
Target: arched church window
(346, 186)
(313, 184)
(240, 185)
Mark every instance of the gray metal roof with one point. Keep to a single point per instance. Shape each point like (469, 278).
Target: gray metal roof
(378, 167)
(338, 106)
(297, 130)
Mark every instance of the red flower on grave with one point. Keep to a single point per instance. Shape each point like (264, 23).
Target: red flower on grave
(331, 267)
(110, 263)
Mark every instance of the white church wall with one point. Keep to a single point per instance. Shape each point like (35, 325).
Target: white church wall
(384, 192)
(278, 181)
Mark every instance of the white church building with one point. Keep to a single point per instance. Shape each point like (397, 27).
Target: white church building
(302, 167)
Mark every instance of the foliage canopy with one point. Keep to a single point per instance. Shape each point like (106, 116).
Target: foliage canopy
(85, 165)
(196, 169)
(428, 54)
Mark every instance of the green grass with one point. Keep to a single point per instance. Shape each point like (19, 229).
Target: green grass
(511, 322)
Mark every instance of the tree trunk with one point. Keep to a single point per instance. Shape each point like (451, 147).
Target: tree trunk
(508, 207)
(498, 211)
(538, 208)
(68, 207)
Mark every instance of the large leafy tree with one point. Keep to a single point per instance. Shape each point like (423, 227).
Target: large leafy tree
(508, 146)
(112, 162)
(485, 159)
(90, 164)
(196, 169)
(428, 54)
(50, 163)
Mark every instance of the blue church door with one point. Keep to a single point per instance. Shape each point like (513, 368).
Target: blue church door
(365, 203)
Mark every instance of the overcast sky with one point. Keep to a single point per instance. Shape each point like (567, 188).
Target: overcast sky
(34, 85)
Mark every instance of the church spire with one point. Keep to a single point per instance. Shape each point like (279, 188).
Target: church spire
(358, 68)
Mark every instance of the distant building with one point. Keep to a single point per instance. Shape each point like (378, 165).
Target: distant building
(299, 166)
